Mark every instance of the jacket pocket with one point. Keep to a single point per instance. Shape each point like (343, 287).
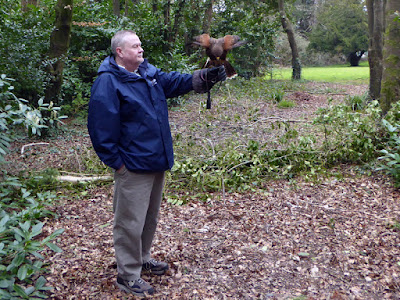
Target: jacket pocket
(122, 171)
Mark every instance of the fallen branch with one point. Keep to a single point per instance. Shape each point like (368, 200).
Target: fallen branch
(31, 144)
(83, 178)
(279, 119)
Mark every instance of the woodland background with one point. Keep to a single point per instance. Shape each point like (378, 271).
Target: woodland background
(314, 158)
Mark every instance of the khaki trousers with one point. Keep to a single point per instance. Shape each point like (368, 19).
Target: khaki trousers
(137, 200)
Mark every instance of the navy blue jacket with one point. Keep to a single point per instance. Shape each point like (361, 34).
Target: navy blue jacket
(128, 116)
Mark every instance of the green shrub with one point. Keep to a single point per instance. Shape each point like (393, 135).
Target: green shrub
(23, 204)
(17, 112)
(390, 159)
(22, 239)
(338, 135)
(350, 136)
(357, 102)
(236, 167)
(277, 95)
(286, 103)
(25, 40)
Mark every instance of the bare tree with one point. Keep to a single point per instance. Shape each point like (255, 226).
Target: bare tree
(390, 92)
(288, 28)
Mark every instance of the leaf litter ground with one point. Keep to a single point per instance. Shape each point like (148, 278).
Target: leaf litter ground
(335, 239)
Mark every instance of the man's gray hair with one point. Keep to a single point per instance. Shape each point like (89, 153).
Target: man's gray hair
(119, 39)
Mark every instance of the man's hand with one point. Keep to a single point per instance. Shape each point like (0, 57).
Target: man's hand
(120, 169)
(204, 79)
(215, 74)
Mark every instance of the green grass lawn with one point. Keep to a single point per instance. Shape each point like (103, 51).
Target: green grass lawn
(334, 73)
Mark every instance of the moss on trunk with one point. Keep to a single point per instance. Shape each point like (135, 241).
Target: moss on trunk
(390, 92)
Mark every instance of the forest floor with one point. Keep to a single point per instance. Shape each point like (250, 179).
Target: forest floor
(335, 238)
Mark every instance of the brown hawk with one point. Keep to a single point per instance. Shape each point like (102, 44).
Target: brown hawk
(217, 49)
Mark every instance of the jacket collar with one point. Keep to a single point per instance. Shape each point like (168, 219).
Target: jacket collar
(109, 65)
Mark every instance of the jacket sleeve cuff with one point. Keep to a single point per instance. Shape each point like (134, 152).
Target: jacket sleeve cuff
(198, 83)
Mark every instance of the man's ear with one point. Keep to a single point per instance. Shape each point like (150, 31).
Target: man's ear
(118, 50)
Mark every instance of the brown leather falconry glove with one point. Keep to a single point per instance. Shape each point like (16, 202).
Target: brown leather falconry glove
(203, 80)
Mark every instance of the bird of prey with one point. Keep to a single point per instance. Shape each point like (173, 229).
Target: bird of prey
(217, 49)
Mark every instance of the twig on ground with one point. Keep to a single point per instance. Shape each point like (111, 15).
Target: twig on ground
(279, 119)
(31, 144)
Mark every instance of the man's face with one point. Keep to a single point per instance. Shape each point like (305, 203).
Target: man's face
(131, 52)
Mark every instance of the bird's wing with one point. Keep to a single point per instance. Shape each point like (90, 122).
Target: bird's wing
(232, 41)
(202, 40)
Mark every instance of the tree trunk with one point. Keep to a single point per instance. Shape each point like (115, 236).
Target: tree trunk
(355, 57)
(208, 16)
(154, 6)
(376, 25)
(167, 26)
(59, 43)
(25, 3)
(126, 8)
(390, 92)
(177, 20)
(116, 8)
(194, 30)
(288, 28)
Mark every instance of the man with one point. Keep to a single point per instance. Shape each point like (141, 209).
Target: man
(129, 128)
